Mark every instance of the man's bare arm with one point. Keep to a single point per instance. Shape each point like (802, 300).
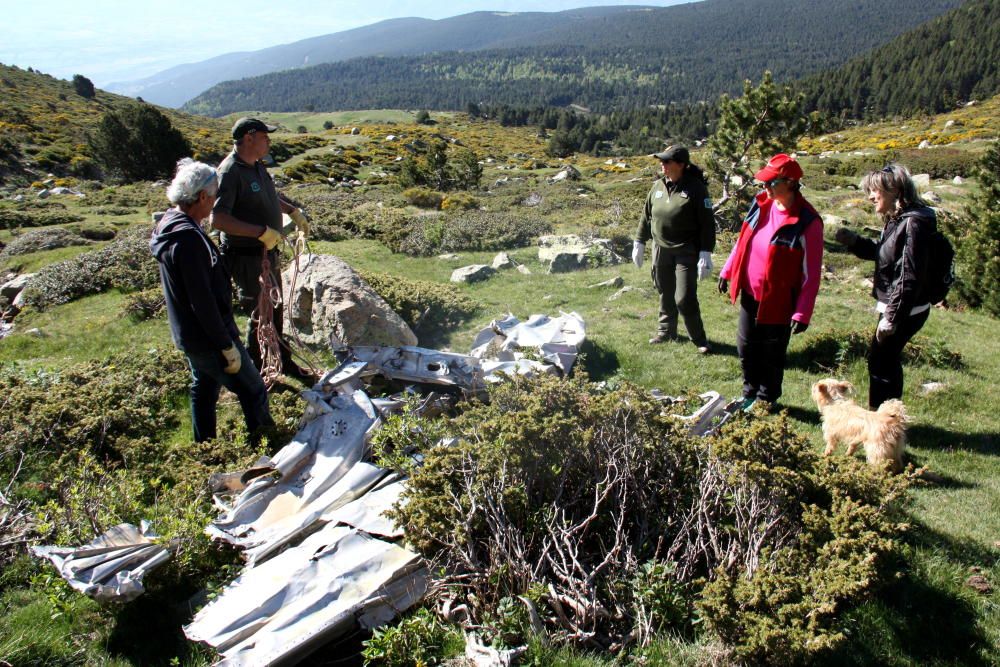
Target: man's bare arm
(229, 224)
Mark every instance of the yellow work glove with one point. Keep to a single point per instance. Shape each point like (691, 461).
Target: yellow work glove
(269, 238)
(300, 220)
(233, 360)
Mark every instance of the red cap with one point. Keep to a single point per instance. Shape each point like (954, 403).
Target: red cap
(780, 166)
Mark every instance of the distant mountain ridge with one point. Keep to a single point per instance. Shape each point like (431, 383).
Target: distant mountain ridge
(394, 37)
(679, 54)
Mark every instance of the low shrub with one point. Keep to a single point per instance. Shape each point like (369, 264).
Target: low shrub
(941, 162)
(615, 522)
(459, 201)
(427, 307)
(423, 198)
(12, 219)
(125, 264)
(831, 351)
(38, 240)
(96, 231)
(418, 639)
(470, 230)
(145, 305)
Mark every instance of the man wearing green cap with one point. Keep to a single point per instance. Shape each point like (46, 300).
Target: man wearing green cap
(248, 212)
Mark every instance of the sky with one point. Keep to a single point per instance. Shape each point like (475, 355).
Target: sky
(114, 41)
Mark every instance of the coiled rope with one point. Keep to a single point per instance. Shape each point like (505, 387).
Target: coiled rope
(268, 300)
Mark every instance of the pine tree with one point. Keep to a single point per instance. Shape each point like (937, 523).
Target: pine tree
(750, 130)
(83, 86)
(977, 237)
(138, 143)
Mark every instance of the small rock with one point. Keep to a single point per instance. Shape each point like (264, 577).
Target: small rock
(43, 194)
(624, 290)
(922, 181)
(833, 220)
(616, 282)
(928, 388)
(932, 197)
(957, 180)
(448, 256)
(36, 332)
(924, 144)
(502, 261)
(472, 274)
(355, 130)
(391, 137)
(523, 269)
(950, 123)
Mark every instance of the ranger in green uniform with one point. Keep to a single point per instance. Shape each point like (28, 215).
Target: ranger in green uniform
(248, 212)
(678, 218)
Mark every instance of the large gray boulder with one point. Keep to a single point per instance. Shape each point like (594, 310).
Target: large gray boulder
(331, 305)
(570, 253)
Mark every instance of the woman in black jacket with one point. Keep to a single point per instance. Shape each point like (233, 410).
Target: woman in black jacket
(901, 258)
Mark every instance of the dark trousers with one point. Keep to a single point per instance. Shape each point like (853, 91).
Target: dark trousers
(207, 380)
(762, 349)
(676, 279)
(245, 267)
(885, 364)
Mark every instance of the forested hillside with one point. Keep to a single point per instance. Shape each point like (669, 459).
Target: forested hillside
(393, 37)
(679, 54)
(948, 60)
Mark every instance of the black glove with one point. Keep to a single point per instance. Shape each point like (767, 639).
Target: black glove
(798, 327)
(723, 286)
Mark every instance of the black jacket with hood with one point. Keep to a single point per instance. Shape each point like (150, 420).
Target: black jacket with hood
(901, 257)
(195, 283)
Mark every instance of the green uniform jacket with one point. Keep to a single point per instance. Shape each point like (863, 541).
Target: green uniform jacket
(678, 216)
(247, 193)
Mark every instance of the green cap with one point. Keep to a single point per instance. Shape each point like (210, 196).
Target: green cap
(245, 126)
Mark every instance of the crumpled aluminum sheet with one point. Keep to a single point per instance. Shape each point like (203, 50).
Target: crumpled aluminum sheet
(110, 567)
(419, 364)
(286, 607)
(303, 475)
(557, 339)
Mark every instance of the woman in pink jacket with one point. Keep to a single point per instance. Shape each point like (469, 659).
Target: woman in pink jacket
(774, 271)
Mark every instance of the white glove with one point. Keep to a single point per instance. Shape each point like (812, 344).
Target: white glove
(884, 330)
(638, 252)
(704, 264)
(233, 360)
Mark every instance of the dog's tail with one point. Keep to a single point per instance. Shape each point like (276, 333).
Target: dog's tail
(895, 409)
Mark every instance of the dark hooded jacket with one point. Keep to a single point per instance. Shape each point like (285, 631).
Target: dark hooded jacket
(901, 259)
(195, 283)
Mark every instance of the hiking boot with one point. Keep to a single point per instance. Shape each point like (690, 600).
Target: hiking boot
(748, 403)
(705, 348)
(663, 337)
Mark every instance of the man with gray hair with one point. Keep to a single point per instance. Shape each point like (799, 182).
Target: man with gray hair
(248, 212)
(199, 303)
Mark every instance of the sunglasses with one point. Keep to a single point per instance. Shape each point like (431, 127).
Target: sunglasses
(774, 181)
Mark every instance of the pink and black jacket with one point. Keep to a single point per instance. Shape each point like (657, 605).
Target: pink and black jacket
(785, 290)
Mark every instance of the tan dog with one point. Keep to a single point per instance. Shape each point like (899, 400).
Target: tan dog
(883, 432)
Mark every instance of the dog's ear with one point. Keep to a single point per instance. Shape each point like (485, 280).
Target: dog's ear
(845, 388)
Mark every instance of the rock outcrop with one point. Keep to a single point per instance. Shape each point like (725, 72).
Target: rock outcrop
(331, 305)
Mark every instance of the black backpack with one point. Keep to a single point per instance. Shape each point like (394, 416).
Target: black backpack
(940, 268)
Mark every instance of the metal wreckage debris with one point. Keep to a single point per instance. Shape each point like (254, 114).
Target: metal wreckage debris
(321, 557)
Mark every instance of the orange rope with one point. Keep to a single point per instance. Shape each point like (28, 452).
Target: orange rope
(267, 335)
